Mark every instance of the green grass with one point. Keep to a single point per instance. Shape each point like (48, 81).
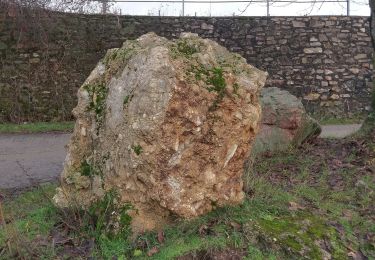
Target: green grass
(265, 226)
(29, 217)
(38, 127)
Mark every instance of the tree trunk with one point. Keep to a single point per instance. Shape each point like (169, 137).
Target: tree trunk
(372, 29)
(371, 117)
(368, 126)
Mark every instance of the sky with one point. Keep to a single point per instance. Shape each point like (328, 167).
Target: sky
(357, 7)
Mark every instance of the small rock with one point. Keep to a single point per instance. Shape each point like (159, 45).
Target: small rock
(354, 70)
(205, 26)
(284, 122)
(360, 56)
(34, 60)
(312, 96)
(312, 50)
(324, 84)
(298, 24)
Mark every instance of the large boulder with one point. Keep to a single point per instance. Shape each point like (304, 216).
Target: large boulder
(167, 125)
(284, 124)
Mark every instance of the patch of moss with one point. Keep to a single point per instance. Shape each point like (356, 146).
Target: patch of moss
(300, 234)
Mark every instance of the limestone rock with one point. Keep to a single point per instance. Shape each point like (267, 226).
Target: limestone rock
(312, 50)
(167, 125)
(285, 122)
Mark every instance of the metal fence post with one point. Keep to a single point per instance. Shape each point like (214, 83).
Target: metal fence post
(183, 7)
(347, 7)
(104, 6)
(268, 7)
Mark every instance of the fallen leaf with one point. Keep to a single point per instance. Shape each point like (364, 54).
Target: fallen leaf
(336, 163)
(203, 230)
(235, 225)
(161, 237)
(357, 255)
(348, 214)
(293, 206)
(137, 252)
(153, 251)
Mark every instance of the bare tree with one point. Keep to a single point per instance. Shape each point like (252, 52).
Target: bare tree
(372, 30)
(76, 6)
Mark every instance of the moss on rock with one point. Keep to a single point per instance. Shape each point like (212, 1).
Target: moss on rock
(302, 234)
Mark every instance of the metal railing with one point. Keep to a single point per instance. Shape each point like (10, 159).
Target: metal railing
(268, 3)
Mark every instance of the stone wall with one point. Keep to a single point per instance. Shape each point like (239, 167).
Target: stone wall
(45, 57)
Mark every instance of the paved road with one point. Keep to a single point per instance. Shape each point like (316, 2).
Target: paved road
(339, 131)
(29, 159)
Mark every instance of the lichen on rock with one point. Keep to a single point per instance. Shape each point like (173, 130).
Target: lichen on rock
(167, 125)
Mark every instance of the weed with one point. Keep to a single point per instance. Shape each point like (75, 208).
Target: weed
(254, 253)
(97, 94)
(185, 48)
(109, 217)
(217, 81)
(88, 169)
(137, 149)
(235, 88)
(214, 78)
(127, 99)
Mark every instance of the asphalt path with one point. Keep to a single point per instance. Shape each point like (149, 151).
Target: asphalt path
(339, 131)
(30, 159)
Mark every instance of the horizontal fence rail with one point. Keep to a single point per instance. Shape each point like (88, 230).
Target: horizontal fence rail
(268, 3)
(219, 1)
